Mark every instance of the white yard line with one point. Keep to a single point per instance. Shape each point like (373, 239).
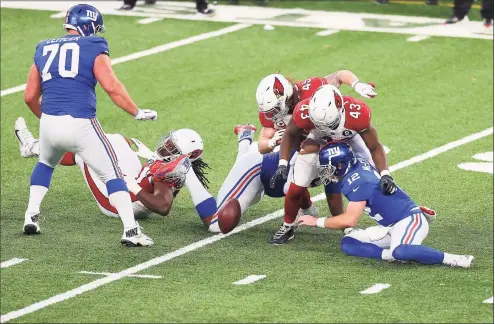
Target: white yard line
(488, 301)
(155, 50)
(249, 279)
(109, 274)
(327, 32)
(11, 262)
(375, 289)
(418, 38)
(149, 20)
(212, 239)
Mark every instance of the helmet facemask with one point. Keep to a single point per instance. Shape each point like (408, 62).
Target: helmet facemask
(326, 174)
(167, 149)
(278, 112)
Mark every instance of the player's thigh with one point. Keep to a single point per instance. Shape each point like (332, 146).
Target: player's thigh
(244, 174)
(411, 230)
(377, 235)
(50, 151)
(305, 169)
(360, 149)
(97, 152)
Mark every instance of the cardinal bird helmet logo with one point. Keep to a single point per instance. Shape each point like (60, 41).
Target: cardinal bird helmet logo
(278, 88)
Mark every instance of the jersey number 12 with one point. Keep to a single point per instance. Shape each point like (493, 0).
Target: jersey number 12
(53, 49)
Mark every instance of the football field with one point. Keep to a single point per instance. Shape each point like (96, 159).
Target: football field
(434, 95)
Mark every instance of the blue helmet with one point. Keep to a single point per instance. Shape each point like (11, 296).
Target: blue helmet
(335, 159)
(84, 19)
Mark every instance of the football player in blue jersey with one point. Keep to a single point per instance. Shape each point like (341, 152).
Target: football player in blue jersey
(64, 76)
(403, 225)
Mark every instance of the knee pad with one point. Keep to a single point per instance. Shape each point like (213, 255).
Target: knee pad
(401, 253)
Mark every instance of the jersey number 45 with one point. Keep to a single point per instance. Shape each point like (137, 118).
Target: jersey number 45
(53, 49)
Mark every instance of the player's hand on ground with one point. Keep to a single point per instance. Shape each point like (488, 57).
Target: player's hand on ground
(307, 220)
(387, 184)
(276, 139)
(280, 174)
(146, 114)
(366, 90)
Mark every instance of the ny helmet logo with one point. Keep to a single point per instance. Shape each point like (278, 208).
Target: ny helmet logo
(333, 151)
(92, 15)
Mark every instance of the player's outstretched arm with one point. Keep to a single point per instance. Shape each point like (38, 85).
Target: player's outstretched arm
(116, 91)
(32, 93)
(291, 135)
(268, 139)
(160, 201)
(347, 77)
(349, 218)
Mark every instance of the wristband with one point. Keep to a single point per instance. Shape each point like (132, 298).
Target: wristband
(354, 83)
(385, 172)
(283, 162)
(320, 222)
(133, 186)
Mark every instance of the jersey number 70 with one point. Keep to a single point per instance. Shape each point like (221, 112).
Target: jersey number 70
(53, 49)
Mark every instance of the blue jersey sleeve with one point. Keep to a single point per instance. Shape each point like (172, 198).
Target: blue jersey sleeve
(358, 190)
(38, 53)
(99, 45)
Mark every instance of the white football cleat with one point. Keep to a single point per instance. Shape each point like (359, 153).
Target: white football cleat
(27, 143)
(214, 227)
(31, 226)
(312, 210)
(245, 132)
(463, 261)
(135, 237)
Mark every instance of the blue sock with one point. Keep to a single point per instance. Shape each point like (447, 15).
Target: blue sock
(418, 253)
(116, 185)
(353, 247)
(42, 175)
(207, 208)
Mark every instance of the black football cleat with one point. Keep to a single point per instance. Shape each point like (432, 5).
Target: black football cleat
(284, 234)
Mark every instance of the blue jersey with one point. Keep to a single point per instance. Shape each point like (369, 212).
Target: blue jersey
(269, 166)
(361, 183)
(67, 78)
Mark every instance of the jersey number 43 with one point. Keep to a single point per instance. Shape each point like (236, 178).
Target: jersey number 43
(52, 50)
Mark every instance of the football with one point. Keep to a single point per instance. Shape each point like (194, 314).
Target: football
(229, 215)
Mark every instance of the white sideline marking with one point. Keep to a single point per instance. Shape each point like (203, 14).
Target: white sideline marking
(327, 32)
(155, 50)
(109, 273)
(487, 156)
(418, 38)
(375, 289)
(11, 262)
(212, 239)
(488, 301)
(249, 279)
(149, 20)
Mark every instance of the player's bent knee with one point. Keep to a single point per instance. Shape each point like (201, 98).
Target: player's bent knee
(401, 252)
(349, 245)
(116, 185)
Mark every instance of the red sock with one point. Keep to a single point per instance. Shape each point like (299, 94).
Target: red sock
(306, 200)
(68, 159)
(293, 201)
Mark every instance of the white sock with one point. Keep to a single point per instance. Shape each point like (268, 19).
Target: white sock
(244, 146)
(196, 190)
(387, 255)
(449, 258)
(36, 195)
(121, 200)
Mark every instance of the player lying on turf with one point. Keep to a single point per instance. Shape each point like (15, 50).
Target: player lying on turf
(327, 116)
(403, 225)
(153, 185)
(249, 178)
(277, 97)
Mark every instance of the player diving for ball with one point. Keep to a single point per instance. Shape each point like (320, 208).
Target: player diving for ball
(403, 225)
(153, 185)
(64, 75)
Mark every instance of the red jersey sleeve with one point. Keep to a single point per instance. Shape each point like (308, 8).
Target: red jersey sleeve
(357, 114)
(265, 122)
(300, 116)
(308, 87)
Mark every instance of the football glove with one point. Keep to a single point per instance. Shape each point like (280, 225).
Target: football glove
(146, 114)
(366, 90)
(280, 174)
(276, 139)
(172, 173)
(388, 185)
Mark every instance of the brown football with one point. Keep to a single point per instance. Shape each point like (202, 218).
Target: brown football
(229, 215)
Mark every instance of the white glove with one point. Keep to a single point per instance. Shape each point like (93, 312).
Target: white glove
(143, 151)
(275, 140)
(146, 114)
(366, 90)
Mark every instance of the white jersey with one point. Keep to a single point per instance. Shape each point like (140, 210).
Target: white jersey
(130, 165)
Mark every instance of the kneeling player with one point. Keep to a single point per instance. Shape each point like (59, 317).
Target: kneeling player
(153, 185)
(403, 225)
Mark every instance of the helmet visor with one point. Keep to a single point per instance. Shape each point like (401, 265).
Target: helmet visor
(167, 149)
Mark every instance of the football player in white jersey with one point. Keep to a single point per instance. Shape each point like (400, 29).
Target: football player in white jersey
(153, 186)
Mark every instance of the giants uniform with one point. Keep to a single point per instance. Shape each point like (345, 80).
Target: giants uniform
(130, 165)
(400, 219)
(356, 118)
(68, 122)
(305, 90)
